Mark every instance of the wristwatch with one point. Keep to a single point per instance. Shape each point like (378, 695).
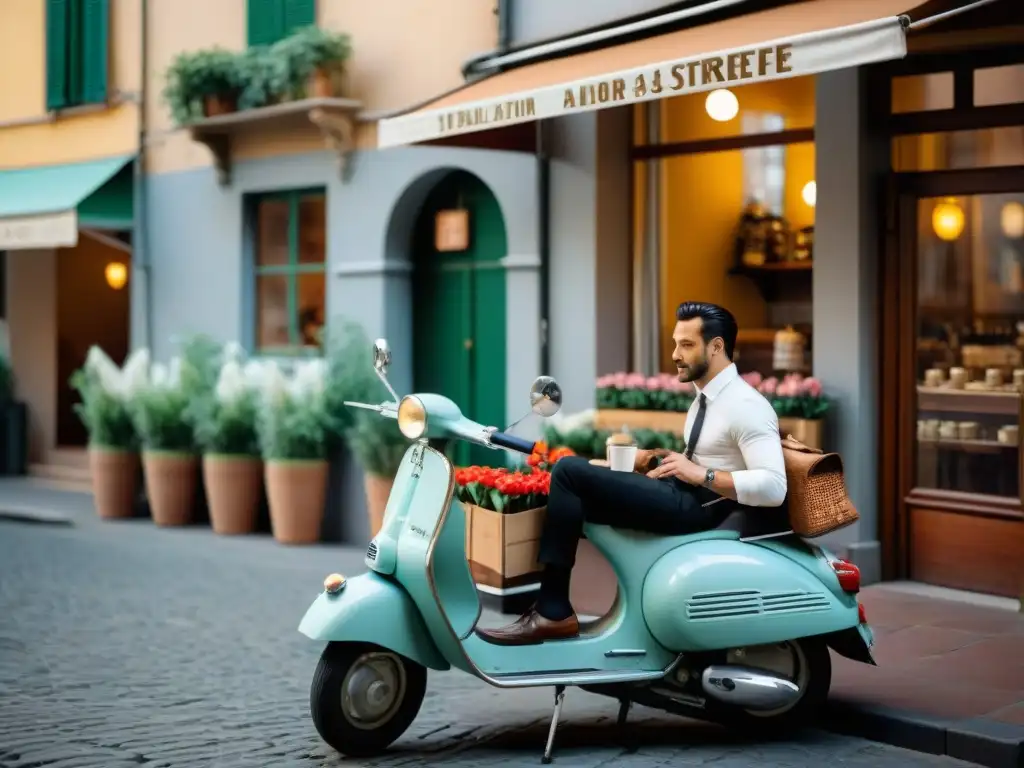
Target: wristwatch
(709, 477)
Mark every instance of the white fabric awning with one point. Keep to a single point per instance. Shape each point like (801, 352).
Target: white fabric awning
(793, 40)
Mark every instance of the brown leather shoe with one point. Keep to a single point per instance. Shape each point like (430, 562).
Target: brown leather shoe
(532, 629)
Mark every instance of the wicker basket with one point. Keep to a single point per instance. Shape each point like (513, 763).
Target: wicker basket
(817, 499)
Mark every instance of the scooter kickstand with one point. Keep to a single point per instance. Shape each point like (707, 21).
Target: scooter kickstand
(559, 698)
(624, 707)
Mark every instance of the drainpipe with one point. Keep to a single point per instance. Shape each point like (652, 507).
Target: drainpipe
(544, 242)
(140, 238)
(504, 24)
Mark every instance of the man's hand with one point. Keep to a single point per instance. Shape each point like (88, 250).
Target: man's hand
(645, 459)
(677, 465)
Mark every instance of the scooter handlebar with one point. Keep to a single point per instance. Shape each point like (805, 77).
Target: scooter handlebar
(512, 443)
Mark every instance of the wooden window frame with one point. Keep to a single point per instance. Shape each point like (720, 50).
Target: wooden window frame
(290, 270)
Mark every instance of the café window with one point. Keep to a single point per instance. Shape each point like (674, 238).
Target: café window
(290, 270)
(970, 348)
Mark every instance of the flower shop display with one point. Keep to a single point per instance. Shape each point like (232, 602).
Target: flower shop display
(504, 514)
(660, 403)
(292, 428)
(106, 391)
(314, 60)
(226, 432)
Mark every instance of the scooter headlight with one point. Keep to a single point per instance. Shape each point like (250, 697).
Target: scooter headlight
(412, 417)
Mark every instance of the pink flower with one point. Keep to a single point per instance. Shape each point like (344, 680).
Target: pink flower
(668, 380)
(635, 381)
(653, 383)
(608, 380)
(769, 386)
(753, 378)
(619, 380)
(812, 387)
(788, 388)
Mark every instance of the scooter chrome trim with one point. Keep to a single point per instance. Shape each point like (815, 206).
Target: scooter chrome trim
(519, 680)
(748, 688)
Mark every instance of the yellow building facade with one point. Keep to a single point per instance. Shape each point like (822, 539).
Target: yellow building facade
(96, 180)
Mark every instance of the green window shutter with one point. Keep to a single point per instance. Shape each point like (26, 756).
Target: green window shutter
(297, 14)
(74, 52)
(56, 54)
(95, 50)
(265, 22)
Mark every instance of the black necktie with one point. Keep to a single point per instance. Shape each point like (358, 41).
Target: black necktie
(698, 424)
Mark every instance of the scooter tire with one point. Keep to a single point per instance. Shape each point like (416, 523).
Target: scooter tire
(325, 701)
(804, 712)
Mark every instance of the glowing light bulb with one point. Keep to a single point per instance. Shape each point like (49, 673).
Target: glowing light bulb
(722, 105)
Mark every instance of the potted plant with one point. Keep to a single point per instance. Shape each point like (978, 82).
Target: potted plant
(293, 440)
(163, 417)
(314, 59)
(375, 443)
(264, 76)
(226, 432)
(203, 84)
(106, 391)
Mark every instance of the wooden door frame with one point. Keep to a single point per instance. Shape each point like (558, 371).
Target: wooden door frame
(898, 337)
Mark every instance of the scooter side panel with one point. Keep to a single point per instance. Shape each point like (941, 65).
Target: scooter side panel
(724, 594)
(373, 609)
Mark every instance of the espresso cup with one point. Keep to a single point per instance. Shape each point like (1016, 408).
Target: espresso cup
(934, 377)
(622, 458)
(994, 377)
(957, 377)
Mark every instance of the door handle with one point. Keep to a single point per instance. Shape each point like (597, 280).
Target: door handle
(467, 344)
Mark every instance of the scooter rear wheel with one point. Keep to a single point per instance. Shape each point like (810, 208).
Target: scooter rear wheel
(364, 697)
(806, 662)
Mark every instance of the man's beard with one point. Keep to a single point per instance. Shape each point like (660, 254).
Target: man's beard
(693, 372)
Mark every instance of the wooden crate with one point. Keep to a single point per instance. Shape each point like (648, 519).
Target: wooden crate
(502, 549)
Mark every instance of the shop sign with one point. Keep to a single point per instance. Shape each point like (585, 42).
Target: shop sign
(809, 54)
(52, 230)
(451, 230)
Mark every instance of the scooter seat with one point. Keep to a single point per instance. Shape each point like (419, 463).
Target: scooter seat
(749, 522)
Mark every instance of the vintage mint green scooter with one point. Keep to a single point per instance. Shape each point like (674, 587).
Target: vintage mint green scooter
(731, 625)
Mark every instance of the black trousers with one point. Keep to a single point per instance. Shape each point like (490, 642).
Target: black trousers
(584, 493)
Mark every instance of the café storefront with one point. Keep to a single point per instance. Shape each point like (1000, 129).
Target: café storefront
(823, 81)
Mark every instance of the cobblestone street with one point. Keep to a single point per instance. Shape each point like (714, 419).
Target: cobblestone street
(126, 645)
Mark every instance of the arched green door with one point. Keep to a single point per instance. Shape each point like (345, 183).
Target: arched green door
(459, 309)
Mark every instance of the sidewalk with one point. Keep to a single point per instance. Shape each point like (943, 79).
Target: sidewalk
(949, 680)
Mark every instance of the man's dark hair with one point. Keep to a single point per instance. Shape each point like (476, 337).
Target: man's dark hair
(715, 321)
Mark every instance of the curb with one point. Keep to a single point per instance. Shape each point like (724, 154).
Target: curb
(977, 740)
(34, 515)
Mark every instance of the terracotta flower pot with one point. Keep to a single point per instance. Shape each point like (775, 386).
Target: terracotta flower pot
(219, 105)
(378, 489)
(115, 481)
(296, 492)
(233, 485)
(170, 485)
(321, 84)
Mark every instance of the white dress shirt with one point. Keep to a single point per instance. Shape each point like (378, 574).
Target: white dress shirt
(740, 435)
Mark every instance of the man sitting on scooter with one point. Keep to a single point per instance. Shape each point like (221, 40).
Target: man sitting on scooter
(739, 457)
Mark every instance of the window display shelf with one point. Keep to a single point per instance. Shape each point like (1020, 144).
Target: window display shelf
(1003, 403)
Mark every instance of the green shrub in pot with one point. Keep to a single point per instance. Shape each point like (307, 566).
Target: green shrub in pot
(195, 77)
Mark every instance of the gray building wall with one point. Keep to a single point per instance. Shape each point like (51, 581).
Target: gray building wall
(850, 161)
(536, 20)
(200, 260)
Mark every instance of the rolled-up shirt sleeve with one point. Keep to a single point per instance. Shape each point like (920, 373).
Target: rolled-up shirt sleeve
(763, 482)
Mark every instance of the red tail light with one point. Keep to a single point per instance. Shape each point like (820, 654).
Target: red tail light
(862, 615)
(848, 575)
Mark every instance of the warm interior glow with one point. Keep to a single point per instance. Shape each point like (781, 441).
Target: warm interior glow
(116, 274)
(1011, 220)
(810, 193)
(948, 220)
(722, 105)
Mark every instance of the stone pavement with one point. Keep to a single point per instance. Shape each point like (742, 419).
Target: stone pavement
(124, 645)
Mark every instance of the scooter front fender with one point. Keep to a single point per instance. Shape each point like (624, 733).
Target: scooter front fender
(372, 609)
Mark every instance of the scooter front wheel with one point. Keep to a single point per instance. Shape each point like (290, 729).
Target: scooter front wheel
(364, 697)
